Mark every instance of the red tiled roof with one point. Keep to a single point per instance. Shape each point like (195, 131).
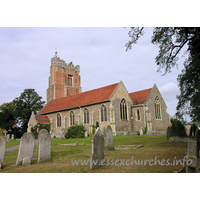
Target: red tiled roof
(42, 119)
(140, 97)
(81, 99)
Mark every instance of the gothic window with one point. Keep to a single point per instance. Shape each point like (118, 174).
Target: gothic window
(86, 116)
(103, 113)
(69, 80)
(138, 115)
(157, 108)
(123, 109)
(71, 118)
(58, 120)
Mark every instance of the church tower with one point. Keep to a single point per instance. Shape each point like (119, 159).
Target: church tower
(64, 79)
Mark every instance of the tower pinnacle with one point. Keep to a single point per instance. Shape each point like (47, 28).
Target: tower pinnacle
(56, 52)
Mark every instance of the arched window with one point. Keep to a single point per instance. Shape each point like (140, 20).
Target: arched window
(71, 118)
(157, 108)
(123, 109)
(86, 116)
(103, 113)
(58, 120)
(138, 115)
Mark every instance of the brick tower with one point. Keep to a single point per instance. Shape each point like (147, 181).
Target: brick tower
(64, 79)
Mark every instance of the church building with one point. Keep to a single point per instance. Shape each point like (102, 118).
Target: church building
(126, 113)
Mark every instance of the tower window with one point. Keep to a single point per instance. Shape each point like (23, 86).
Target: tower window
(69, 80)
(123, 109)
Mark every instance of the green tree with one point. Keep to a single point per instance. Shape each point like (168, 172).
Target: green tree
(28, 101)
(171, 41)
(7, 115)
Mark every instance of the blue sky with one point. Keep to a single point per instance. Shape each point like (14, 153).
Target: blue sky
(26, 54)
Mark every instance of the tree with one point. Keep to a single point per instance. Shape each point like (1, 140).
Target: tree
(7, 115)
(28, 101)
(171, 41)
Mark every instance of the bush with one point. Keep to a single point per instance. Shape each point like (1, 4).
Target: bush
(76, 131)
(177, 129)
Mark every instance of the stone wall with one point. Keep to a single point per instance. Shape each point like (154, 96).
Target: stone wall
(94, 116)
(158, 125)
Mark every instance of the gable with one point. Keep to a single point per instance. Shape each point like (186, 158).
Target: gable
(81, 99)
(140, 97)
(120, 92)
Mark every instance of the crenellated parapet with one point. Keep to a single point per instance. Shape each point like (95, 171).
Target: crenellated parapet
(57, 62)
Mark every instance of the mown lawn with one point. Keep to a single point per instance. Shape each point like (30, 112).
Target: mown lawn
(156, 149)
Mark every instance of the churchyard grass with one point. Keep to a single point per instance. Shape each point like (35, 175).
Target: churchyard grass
(12, 143)
(154, 147)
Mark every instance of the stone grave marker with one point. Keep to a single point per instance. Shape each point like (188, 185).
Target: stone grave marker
(109, 139)
(97, 155)
(86, 134)
(44, 146)
(141, 132)
(192, 156)
(26, 148)
(2, 149)
(124, 131)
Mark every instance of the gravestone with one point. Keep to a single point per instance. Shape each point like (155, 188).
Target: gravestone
(86, 134)
(61, 135)
(109, 139)
(12, 137)
(8, 136)
(26, 148)
(141, 132)
(192, 157)
(2, 149)
(44, 146)
(124, 131)
(97, 155)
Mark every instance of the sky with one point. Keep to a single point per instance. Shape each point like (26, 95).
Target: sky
(26, 53)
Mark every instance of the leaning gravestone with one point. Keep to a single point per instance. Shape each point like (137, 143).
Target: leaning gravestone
(26, 148)
(109, 139)
(192, 156)
(97, 150)
(2, 149)
(44, 146)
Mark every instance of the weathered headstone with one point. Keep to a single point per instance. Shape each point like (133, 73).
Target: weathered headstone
(8, 136)
(192, 157)
(61, 135)
(109, 139)
(12, 137)
(86, 134)
(141, 132)
(2, 149)
(26, 148)
(97, 155)
(124, 131)
(44, 146)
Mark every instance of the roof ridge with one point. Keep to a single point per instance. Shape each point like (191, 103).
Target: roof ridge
(141, 90)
